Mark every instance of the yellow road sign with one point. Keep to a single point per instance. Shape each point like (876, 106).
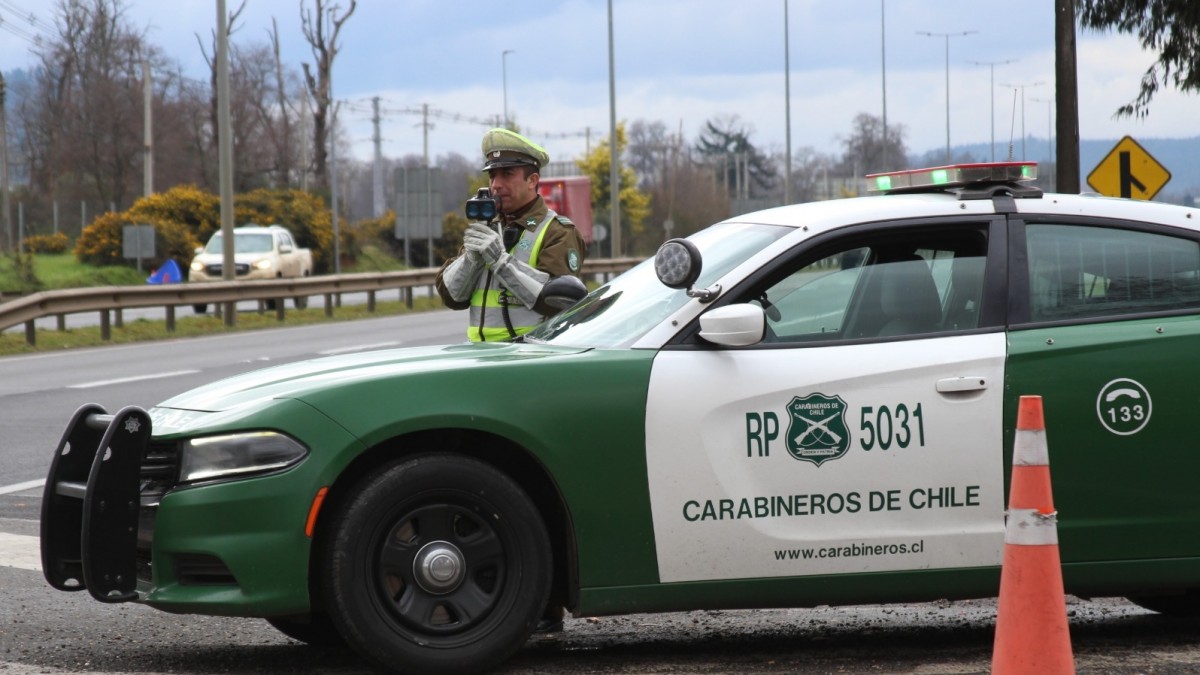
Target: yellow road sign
(1129, 171)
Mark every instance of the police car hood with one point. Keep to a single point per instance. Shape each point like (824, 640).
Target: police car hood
(396, 369)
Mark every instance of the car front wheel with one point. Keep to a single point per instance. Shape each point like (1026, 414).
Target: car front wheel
(435, 564)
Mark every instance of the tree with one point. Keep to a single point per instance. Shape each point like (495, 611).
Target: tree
(321, 28)
(1167, 26)
(865, 150)
(725, 144)
(635, 204)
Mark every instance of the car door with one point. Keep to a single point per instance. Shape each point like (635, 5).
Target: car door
(861, 435)
(1107, 319)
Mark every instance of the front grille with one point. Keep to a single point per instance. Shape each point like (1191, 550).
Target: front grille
(160, 471)
(241, 269)
(200, 569)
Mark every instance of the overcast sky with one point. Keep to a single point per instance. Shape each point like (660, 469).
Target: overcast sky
(682, 62)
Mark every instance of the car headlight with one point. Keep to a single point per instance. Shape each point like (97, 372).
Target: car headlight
(264, 264)
(197, 266)
(238, 455)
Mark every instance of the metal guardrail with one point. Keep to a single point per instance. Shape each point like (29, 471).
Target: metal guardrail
(107, 299)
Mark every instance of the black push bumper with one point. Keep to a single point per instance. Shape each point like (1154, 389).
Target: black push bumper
(91, 502)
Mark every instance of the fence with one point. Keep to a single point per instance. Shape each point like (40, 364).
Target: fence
(109, 299)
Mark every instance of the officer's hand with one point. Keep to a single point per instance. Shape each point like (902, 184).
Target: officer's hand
(483, 241)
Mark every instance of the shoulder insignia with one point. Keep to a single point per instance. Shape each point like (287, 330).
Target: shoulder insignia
(565, 221)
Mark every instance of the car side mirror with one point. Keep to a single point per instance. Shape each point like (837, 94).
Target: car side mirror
(562, 292)
(739, 325)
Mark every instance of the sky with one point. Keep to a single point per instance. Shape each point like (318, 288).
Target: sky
(682, 62)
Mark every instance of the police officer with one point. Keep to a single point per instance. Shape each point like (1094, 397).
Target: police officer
(500, 277)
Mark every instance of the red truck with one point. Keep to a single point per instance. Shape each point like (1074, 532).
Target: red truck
(572, 197)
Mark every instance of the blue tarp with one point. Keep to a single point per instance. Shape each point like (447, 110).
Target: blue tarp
(167, 274)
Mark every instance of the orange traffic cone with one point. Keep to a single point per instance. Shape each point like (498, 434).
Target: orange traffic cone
(1031, 620)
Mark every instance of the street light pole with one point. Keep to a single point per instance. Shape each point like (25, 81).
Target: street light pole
(1049, 122)
(787, 111)
(504, 74)
(947, 37)
(992, 65)
(1021, 87)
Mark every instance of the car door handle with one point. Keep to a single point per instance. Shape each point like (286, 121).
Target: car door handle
(950, 385)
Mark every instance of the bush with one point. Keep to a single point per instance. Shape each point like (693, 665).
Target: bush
(305, 214)
(100, 242)
(47, 243)
(186, 205)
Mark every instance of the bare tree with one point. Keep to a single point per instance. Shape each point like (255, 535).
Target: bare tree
(321, 27)
(211, 60)
(282, 138)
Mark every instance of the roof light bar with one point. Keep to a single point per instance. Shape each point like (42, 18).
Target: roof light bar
(951, 176)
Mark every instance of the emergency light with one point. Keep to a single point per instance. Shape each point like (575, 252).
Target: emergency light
(951, 176)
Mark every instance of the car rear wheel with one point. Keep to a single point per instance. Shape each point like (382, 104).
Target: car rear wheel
(300, 301)
(1185, 604)
(200, 308)
(438, 563)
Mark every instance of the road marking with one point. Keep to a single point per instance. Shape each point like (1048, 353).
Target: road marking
(135, 378)
(21, 487)
(19, 550)
(359, 348)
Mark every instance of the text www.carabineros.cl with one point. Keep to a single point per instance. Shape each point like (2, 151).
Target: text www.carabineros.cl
(851, 551)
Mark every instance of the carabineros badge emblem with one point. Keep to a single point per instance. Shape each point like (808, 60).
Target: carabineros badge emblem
(817, 430)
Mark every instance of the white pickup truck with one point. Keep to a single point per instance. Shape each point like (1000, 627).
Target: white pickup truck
(259, 252)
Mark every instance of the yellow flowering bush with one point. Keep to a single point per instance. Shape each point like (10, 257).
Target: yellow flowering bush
(47, 243)
(100, 242)
(186, 205)
(304, 214)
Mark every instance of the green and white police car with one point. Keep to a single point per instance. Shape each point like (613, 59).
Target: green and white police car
(810, 405)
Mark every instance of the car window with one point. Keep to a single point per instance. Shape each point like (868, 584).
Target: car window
(926, 283)
(1079, 272)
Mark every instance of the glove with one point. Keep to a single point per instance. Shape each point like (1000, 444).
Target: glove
(484, 242)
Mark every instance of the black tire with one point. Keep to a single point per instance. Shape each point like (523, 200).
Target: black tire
(316, 630)
(200, 309)
(300, 301)
(1186, 604)
(270, 304)
(436, 564)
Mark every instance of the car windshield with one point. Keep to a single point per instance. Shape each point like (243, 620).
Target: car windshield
(242, 243)
(620, 312)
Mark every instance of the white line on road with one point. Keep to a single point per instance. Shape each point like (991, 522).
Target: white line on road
(359, 348)
(135, 378)
(19, 550)
(21, 487)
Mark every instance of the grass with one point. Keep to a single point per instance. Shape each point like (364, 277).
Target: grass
(141, 330)
(62, 270)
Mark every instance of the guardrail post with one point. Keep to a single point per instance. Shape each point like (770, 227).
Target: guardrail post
(105, 328)
(231, 314)
(279, 312)
(328, 304)
(407, 294)
(60, 321)
(371, 302)
(30, 334)
(120, 318)
(170, 318)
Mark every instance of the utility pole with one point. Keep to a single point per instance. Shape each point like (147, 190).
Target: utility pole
(148, 135)
(1066, 98)
(377, 168)
(614, 159)
(304, 113)
(333, 184)
(225, 152)
(4, 164)
(428, 190)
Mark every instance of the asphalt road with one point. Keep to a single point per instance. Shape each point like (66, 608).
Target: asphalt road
(46, 631)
